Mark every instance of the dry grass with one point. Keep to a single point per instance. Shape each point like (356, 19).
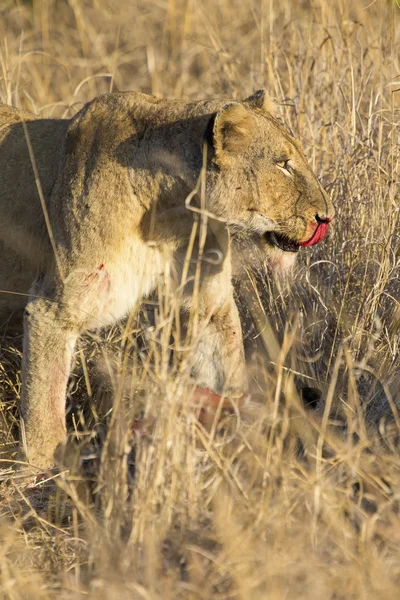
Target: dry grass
(287, 501)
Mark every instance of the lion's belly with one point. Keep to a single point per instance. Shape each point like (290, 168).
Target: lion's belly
(16, 277)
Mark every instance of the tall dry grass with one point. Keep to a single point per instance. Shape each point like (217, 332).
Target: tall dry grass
(291, 497)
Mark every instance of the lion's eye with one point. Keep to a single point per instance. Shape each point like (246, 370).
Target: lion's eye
(284, 164)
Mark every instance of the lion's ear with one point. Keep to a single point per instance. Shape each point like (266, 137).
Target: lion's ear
(263, 101)
(232, 131)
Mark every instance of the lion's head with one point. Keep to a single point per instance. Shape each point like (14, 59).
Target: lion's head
(258, 179)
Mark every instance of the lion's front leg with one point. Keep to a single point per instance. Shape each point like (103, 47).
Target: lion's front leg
(56, 315)
(219, 362)
(48, 350)
(214, 328)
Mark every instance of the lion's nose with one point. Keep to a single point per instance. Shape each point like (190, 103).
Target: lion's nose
(323, 219)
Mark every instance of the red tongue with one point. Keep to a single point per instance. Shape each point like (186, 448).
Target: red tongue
(317, 236)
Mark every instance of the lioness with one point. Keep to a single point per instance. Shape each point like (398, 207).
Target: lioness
(95, 208)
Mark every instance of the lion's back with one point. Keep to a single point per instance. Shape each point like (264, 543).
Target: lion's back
(18, 130)
(23, 240)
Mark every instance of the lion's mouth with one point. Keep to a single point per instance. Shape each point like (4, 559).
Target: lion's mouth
(289, 245)
(281, 241)
(319, 234)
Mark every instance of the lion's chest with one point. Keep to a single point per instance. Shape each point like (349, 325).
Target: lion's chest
(132, 275)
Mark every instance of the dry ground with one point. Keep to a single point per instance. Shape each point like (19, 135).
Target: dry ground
(293, 498)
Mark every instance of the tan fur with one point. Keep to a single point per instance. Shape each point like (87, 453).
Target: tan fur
(118, 182)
